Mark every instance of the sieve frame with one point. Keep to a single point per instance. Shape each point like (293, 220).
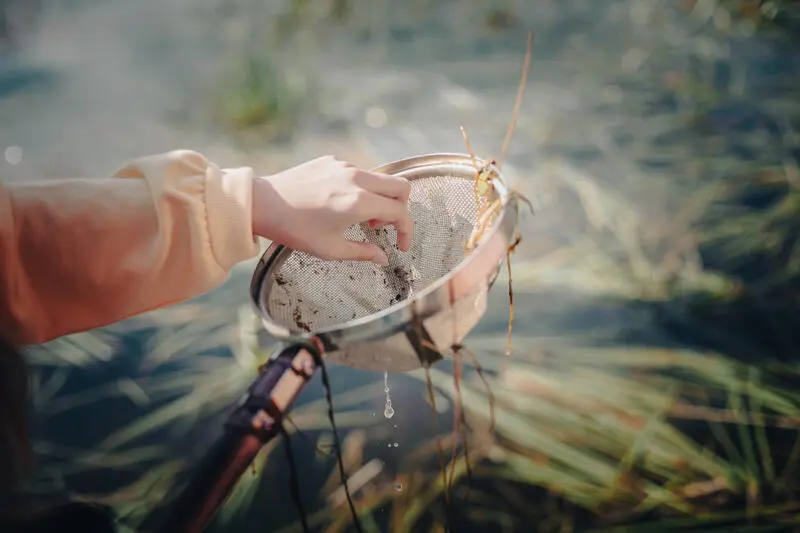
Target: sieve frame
(435, 298)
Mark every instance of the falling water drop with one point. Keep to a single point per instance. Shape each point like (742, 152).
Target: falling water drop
(388, 411)
(396, 445)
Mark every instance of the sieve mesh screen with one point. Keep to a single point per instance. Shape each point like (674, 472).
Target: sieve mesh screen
(307, 293)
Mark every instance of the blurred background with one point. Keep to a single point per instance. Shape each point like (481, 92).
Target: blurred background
(653, 381)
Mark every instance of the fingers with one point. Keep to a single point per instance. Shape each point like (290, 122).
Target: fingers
(384, 211)
(384, 185)
(402, 242)
(378, 224)
(345, 250)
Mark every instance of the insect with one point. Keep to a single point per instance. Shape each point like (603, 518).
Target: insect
(483, 187)
(489, 206)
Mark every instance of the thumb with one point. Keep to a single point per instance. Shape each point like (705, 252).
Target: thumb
(346, 250)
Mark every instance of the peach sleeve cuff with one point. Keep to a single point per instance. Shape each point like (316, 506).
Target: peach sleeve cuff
(83, 253)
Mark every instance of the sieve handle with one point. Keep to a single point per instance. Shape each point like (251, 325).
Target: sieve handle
(254, 422)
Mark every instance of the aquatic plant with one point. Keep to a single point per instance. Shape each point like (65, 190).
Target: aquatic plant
(602, 416)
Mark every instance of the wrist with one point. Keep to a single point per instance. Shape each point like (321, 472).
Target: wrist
(266, 209)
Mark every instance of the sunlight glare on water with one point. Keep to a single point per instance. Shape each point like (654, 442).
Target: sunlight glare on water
(13, 155)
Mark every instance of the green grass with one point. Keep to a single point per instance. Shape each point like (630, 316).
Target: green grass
(259, 101)
(613, 433)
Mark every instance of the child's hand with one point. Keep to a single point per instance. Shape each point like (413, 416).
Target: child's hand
(309, 206)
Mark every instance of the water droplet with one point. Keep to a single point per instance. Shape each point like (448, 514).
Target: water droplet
(388, 412)
(389, 445)
(396, 445)
(398, 487)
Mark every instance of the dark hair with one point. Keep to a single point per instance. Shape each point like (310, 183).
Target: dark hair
(78, 517)
(16, 459)
(15, 454)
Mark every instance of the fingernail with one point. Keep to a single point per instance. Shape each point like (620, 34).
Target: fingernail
(381, 260)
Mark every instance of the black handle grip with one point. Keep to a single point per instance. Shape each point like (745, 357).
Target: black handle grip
(255, 421)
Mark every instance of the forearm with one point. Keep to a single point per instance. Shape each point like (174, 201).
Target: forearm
(79, 254)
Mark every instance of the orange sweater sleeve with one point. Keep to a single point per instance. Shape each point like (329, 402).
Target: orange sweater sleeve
(83, 253)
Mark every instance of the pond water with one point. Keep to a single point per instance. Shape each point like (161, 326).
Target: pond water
(655, 287)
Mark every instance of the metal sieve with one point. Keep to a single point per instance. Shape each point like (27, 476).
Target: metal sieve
(372, 317)
(394, 318)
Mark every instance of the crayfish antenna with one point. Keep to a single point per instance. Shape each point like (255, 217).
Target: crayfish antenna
(469, 147)
(518, 103)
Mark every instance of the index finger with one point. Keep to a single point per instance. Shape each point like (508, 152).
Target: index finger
(390, 211)
(384, 184)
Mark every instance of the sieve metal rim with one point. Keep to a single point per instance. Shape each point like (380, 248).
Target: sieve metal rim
(397, 317)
